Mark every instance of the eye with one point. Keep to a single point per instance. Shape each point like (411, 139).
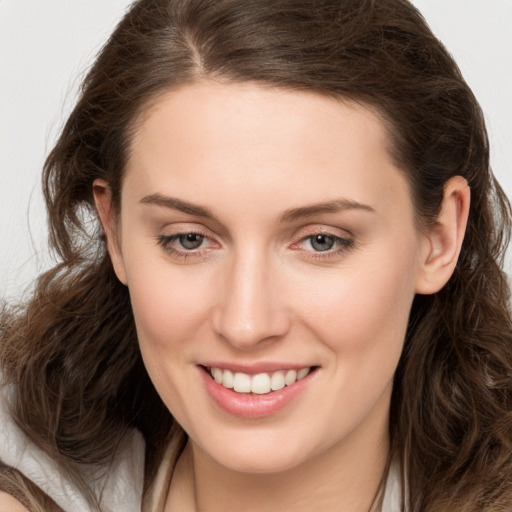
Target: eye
(190, 241)
(322, 242)
(323, 245)
(187, 244)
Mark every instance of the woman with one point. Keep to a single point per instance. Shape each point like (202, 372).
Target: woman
(296, 301)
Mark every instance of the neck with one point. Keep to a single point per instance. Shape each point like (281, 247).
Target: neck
(345, 477)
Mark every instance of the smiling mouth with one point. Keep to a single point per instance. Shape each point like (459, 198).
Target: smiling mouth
(259, 384)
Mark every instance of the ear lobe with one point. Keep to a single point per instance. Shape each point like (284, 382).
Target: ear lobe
(444, 239)
(103, 201)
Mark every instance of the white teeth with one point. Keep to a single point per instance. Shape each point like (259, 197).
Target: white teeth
(217, 375)
(302, 373)
(260, 384)
(291, 377)
(277, 381)
(242, 383)
(228, 379)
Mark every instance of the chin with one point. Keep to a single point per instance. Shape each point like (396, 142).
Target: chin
(261, 464)
(263, 454)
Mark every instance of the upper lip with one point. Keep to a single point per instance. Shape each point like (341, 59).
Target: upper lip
(254, 368)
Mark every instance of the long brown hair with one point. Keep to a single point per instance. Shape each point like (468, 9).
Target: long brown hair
(72, 350)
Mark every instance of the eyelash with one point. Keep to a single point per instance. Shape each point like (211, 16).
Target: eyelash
(342, 245)
(167, 241)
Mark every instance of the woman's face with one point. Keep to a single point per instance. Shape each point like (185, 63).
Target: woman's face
(265, 235)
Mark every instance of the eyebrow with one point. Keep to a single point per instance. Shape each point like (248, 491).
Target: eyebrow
(288, 216)
(177, 204)
(328, 207)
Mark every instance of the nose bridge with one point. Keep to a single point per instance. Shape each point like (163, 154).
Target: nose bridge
(249, 308)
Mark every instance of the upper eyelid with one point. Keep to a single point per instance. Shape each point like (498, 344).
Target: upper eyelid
(183, 227)
(194, 228)
(305, 232)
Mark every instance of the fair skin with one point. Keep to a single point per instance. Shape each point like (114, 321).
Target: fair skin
(264, 230)
(267, 281)
(9, 504)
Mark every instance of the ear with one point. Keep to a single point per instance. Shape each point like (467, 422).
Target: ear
(103, 201)
(444, 238)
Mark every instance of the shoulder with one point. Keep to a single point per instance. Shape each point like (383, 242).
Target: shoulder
(117, 483)
(10, 504)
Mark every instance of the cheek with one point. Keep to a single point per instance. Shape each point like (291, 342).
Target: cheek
(362, 316)
(171, 313)
(170, 306)
(363, 310)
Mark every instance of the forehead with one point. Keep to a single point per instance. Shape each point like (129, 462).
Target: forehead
(262, 110)
(213, 140)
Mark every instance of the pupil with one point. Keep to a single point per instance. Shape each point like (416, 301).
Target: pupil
(191, 240)
(322, 242)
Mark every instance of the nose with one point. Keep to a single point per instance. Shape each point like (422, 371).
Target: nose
(250, 308)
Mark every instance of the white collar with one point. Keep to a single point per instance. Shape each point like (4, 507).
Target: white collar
(119, 485)
(392, 501)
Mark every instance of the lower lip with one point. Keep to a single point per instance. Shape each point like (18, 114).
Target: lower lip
(252, 406)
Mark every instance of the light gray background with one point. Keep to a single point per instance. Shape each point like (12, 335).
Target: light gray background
(45, 46)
